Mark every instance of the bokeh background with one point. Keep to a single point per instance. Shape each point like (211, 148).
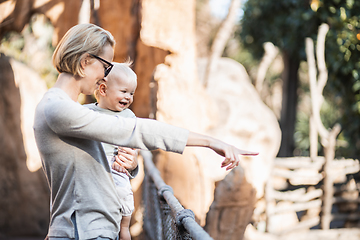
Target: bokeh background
(237, 70)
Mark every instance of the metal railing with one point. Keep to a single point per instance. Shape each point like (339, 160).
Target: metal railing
(164, 217)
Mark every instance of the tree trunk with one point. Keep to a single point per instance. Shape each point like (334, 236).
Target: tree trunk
(221, 38)
(24, 200)
(289, 104)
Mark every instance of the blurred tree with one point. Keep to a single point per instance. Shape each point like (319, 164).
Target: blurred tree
(343, 60)
(221, 38)
(206, 26)
(286, 24)
(33, 46)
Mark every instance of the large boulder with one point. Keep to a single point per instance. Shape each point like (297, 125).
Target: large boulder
(232, 208)
(243, 119)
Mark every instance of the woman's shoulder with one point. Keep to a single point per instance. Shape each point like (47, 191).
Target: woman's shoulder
(56, 96)
(56, 104)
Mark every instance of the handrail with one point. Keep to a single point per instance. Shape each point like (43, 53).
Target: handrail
(183, 217)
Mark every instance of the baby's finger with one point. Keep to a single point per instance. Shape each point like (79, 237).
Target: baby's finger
(120, 160)
(116, 166)
(124, 157)
(127, 150)
(119, 168)
(128, 155)
(126, 163)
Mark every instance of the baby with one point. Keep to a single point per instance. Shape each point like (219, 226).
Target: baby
(114, 96)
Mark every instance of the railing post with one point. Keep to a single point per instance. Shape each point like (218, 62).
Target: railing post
(164, 205)
(180, 216)
(152, 212)
(169, 231)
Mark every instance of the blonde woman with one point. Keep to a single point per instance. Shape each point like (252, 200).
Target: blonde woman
(84, 203)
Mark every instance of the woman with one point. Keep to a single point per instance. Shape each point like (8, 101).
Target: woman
(84, 204)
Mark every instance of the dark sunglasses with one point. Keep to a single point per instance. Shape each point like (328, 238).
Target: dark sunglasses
(108, 68)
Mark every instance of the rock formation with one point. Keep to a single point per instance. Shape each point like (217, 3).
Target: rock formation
(244, 121)
(233, 206)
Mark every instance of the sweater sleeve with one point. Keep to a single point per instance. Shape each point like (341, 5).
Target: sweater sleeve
(68, 118)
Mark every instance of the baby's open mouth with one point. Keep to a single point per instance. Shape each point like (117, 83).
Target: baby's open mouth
(123, 104)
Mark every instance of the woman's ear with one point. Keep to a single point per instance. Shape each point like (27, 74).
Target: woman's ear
(102, 89)
(85, 59)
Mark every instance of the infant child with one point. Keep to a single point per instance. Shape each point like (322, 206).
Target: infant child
(114, 96)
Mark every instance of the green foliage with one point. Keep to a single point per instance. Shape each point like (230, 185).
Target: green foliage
(286, 23)
(343, 62)
(301, 135)
(33, 46)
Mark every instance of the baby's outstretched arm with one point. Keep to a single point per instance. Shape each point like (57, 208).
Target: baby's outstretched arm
(228, 151)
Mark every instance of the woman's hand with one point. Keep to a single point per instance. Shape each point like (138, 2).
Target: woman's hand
(228, 151)
(126, 158)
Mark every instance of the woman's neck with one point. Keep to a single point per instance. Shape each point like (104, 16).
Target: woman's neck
(68, 83)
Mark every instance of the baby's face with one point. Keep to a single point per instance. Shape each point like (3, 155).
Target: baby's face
(120, 94)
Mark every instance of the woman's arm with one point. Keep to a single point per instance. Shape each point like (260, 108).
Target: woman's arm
(230, 152)
(68, 118)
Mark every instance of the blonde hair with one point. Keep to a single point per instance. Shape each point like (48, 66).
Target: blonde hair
(80, 39)
(119, 68)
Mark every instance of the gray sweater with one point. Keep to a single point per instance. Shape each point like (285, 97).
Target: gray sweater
(120, 179)
(69, 136)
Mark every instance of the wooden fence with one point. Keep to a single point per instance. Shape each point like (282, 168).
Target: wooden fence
(296, 186)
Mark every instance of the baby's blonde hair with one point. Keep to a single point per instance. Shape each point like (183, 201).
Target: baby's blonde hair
(119, 68)
(80, 39)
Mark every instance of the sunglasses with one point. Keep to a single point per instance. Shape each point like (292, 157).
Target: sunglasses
(108, 68)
